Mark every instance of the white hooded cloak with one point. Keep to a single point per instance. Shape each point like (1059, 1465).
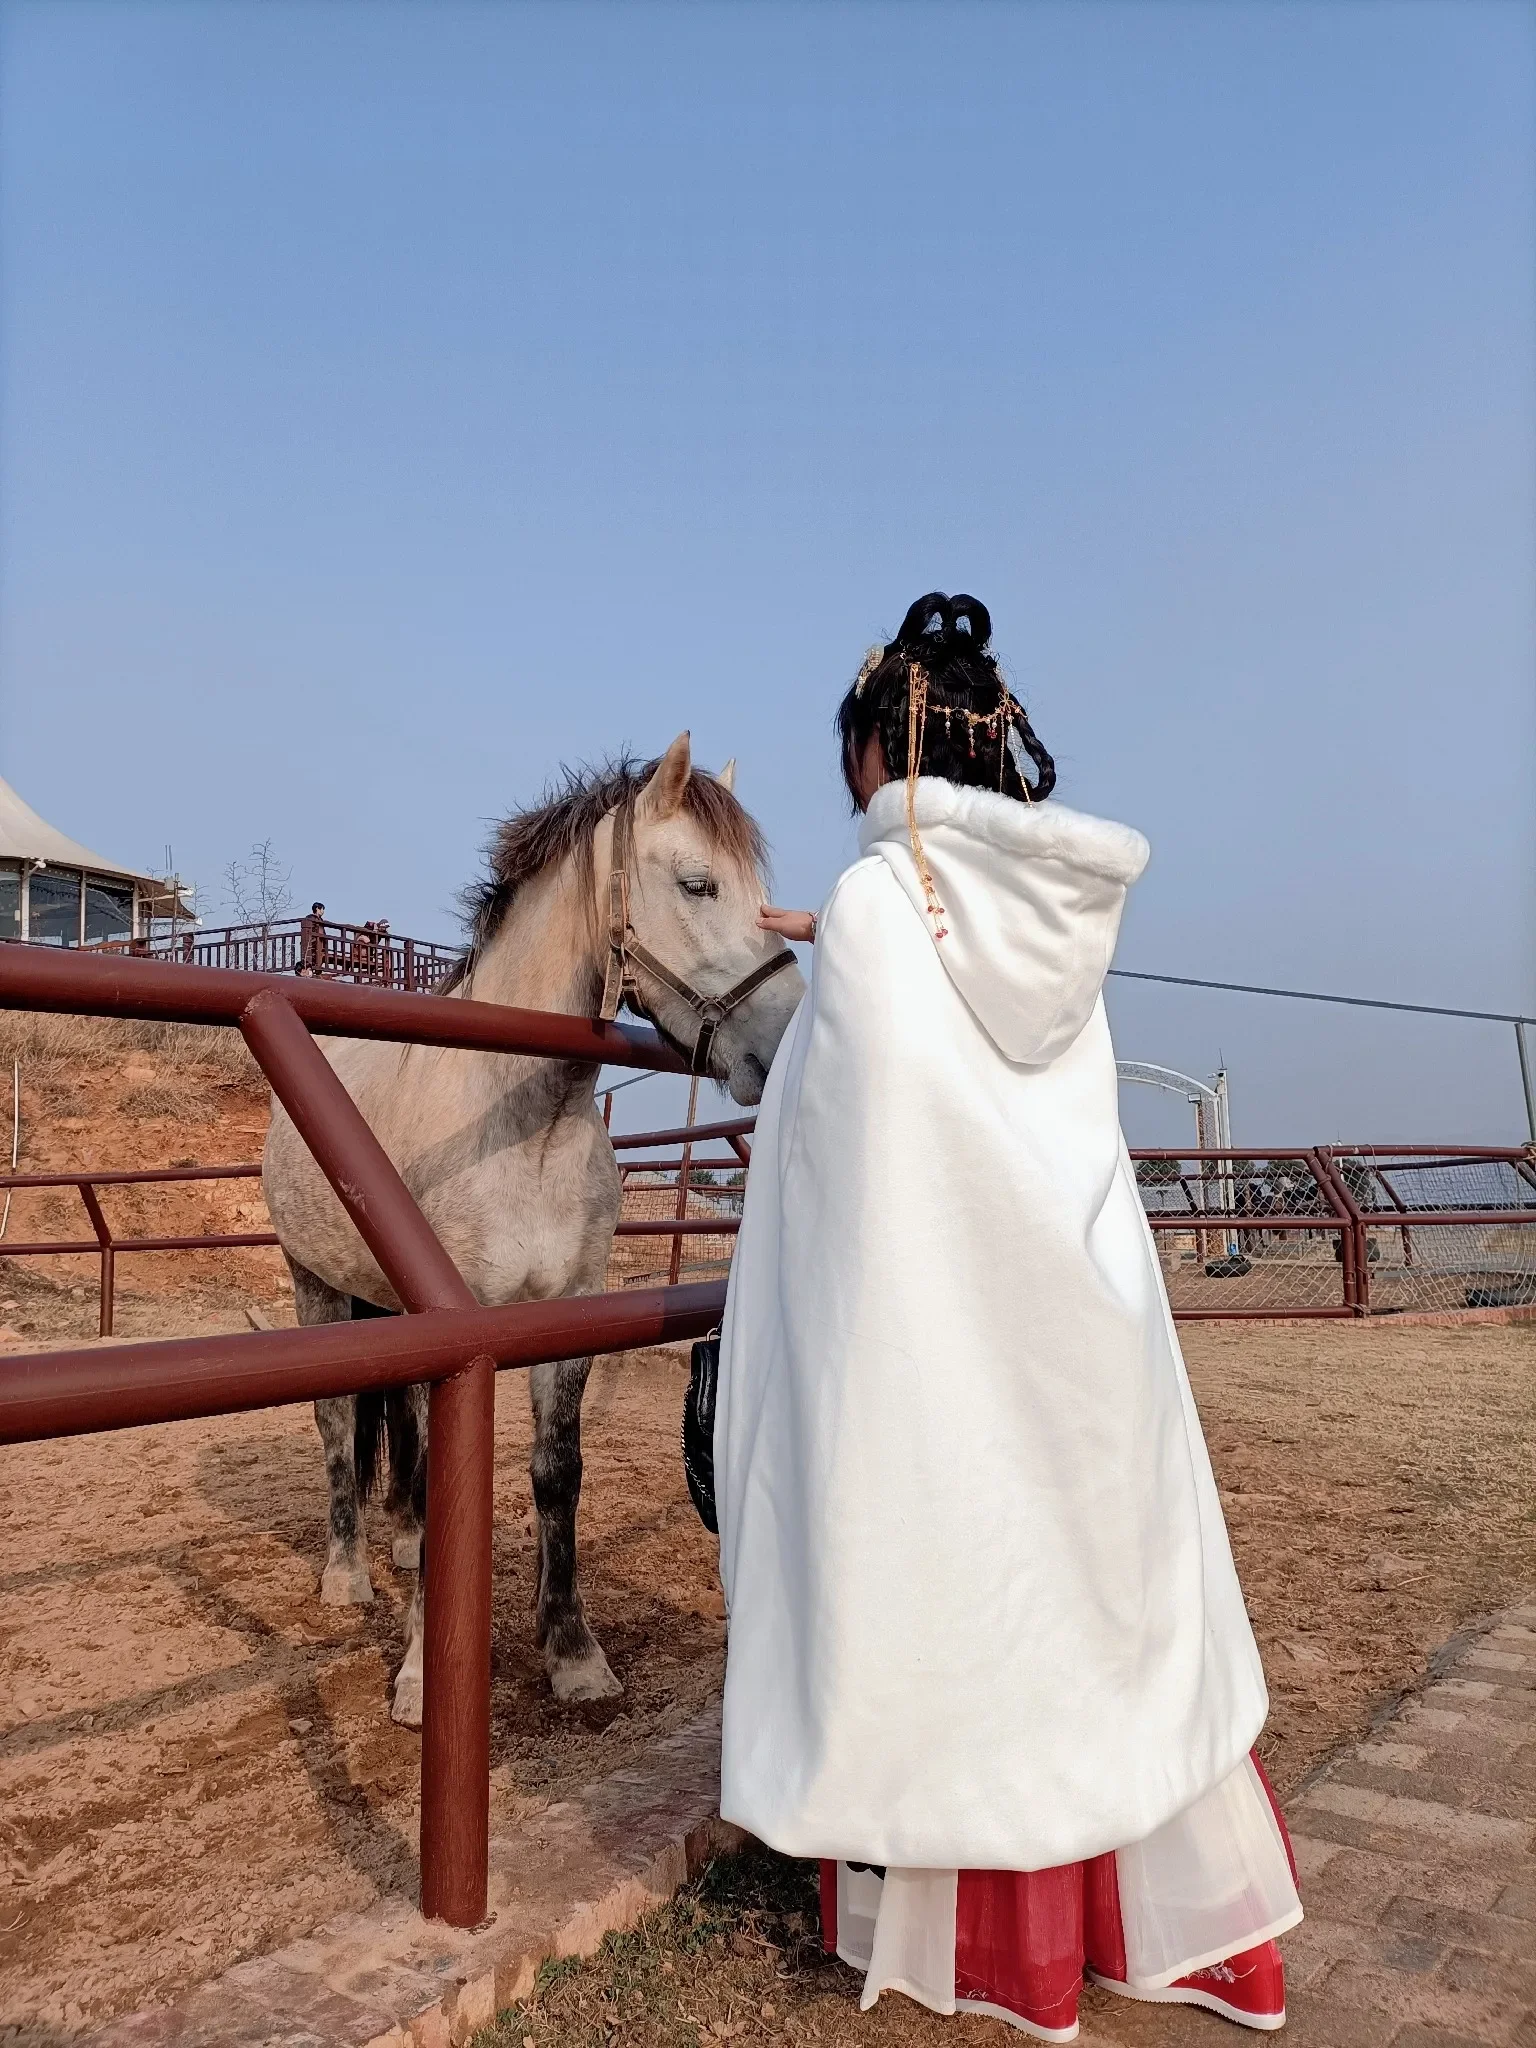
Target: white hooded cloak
(983, 1611)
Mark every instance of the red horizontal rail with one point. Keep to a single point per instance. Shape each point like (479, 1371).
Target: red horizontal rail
(96, 985)
(1413, 1219)
(72, 1393)
(1254, 1154)
(70, 1248)
(677, 1226)
(1211, 1222)
(114, 1178)
(685, 1134)
(728, 1162)
(1449, 1153)
(1257, 1154)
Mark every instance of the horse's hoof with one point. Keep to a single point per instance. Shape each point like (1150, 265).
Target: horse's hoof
(583, 1678)
(406, 1552)
(407, 1704)
(346, 1585)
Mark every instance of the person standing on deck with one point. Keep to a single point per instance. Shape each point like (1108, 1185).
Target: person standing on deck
(988, 1656)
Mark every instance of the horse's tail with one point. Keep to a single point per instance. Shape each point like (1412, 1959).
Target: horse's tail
(368, 1440)
(369, 1427)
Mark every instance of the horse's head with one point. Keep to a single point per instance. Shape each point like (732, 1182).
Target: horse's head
(695, 887)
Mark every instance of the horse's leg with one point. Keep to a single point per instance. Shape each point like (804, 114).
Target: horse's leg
(410, 1444)
(577, 1668)
(345, 1581)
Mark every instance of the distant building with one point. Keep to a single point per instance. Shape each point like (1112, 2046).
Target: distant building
(55, 891)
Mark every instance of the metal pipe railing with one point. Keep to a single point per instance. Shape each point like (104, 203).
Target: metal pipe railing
(111, 985)
(105, 1244)
(276, 1016)
(46, 1394)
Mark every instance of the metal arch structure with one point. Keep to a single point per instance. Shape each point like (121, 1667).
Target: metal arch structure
(1213, 1118)
(1208, 1099)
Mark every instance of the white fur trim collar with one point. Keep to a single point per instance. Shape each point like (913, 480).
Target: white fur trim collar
(1047, 831)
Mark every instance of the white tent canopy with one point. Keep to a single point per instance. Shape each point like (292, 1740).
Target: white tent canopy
(30, 846)
(26, 836)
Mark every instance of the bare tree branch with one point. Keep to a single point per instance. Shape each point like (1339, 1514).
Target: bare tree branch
(257, 890)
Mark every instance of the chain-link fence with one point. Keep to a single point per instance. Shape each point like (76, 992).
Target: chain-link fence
(680, 1214)
(1310, 1231)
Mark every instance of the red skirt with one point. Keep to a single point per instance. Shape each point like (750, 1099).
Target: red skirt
(1023, 1942)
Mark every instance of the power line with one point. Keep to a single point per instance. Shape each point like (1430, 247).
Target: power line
(1310, 995)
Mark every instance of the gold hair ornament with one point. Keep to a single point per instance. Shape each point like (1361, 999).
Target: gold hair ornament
(917, 725)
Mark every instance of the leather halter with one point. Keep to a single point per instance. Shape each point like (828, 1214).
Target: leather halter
(625, 954)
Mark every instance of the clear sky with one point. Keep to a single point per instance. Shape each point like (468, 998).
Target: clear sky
(398, 400)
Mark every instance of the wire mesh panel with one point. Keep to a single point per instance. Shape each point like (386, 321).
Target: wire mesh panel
(1242, 1236)
(1329, 1231)
(651, 1197)
(1442, 1229)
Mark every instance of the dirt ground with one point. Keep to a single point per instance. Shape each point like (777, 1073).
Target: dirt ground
(197, 1764)
(196, 1758)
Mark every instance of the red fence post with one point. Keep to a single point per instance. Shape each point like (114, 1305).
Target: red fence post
(456, 1708)
(1356, 1249)
(675, 1264)
(103, 1232)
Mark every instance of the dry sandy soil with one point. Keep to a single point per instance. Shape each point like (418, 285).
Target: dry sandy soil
(196, 1761)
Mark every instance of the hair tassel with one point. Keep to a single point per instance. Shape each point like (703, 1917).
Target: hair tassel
(917, 723)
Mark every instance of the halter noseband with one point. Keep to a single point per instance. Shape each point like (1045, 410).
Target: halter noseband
(625, 953)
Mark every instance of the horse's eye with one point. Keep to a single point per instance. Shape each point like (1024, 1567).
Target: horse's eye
(698, 885)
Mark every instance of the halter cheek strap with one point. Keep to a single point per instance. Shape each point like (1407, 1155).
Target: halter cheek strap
(625, 953)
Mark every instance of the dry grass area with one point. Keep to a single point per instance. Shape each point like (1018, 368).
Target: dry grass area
(1380, 1491)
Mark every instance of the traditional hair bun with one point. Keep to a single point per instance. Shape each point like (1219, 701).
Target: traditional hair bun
(940, 705)
(929, 619)
(939, 620)
(974, 616)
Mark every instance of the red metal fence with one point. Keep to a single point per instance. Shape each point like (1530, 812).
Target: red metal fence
(1320, 1231)
(445, 1338)
(1327, 1230)
(1358, 1230)
(105, 1243)
(694, 1200)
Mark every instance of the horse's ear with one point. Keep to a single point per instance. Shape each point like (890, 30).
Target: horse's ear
(663, 794)
(727, 776)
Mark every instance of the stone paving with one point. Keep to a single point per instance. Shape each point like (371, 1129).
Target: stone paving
(389, 1979)
(1417, 1852)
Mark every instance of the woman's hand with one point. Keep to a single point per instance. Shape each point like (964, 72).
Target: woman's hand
(799, 925)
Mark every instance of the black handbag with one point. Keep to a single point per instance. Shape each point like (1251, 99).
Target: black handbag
(699, 1430)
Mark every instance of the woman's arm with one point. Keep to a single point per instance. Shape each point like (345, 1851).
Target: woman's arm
(789, 924)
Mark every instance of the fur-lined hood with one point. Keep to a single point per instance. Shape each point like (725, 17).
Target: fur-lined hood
(1031, 898)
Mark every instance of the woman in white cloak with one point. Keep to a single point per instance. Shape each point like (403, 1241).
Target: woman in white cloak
(988, 1656)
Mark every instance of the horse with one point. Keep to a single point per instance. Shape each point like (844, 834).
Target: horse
(627, 882)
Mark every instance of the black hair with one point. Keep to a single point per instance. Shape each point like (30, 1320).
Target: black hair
(972, 730)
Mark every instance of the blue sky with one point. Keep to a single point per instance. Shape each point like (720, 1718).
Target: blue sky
(398, 400)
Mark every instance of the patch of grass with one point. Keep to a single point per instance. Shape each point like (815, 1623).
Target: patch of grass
(172, 1094)
(44, 1042)
(736, 1955)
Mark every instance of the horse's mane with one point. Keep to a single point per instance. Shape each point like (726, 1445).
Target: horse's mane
(562, 824)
